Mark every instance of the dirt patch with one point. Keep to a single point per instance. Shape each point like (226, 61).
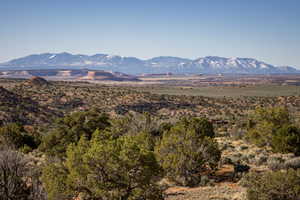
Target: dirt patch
(224, 191)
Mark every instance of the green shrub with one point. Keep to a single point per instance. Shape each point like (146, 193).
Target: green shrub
(287, 140)
(201, 126)
(185, 151)
(15, 135)
(273, 127)
(262, 134)
(70, 129)
(276, 115)
(105, 168)
(273, 185)
(54, 178)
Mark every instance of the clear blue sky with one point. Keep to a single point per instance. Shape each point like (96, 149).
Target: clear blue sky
(268, 30)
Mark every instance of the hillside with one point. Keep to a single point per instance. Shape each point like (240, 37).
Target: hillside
(37, 81)
(16, 108)
(165, 102)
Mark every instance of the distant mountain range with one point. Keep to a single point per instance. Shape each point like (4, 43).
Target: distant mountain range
(132, 65)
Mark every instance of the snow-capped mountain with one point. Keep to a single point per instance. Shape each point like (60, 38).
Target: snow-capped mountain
(214, 64)
(132, 65)
(70, 61)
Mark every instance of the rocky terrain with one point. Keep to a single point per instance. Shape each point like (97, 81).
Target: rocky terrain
(65, 97)
(17, 108)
